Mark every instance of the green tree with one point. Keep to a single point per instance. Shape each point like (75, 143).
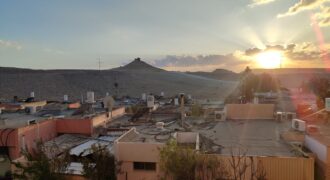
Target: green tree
(39, 166)
(251, 83)
(101, 164)
(181, 162)
(321, 88)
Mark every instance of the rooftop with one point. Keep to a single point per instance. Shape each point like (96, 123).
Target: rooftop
(85, 148)
(17, 119)
(63, 142)
(257, 137)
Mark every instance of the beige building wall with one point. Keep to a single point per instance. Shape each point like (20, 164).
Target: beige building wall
(276, 168)
(129, 152)
(250, 111)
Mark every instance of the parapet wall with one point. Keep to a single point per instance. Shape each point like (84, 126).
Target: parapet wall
(250, 111)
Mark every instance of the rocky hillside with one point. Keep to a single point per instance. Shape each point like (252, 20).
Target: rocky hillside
(220, 74)
(133, 79)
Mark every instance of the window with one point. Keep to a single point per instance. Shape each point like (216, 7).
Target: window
(149, 166)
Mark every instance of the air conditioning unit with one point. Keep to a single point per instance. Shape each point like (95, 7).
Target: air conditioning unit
(220, 115)
(280, 116)
(298, 124)
(290, 116)
(29, 122)
(30, 109)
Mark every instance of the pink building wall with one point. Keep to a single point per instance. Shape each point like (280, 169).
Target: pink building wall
(49, 129)
(74, 126)
(28, 136)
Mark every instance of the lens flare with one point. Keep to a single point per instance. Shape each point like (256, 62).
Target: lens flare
(269, 59)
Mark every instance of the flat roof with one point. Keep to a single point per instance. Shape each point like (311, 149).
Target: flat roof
(17, 120)
(256, 137)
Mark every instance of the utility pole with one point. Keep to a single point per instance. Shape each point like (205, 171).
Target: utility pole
(99, 64)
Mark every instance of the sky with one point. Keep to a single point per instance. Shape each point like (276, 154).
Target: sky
(185, 35)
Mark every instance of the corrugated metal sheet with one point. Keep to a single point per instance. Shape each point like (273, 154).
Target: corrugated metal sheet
(282, 168)
(288, 168)
(86, 148)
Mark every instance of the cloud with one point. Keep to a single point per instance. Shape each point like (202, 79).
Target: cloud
(294, 52)
(323, 17)
(303, 5)
(10, 44)
(200, 62)
(259, 2)
(294, 55)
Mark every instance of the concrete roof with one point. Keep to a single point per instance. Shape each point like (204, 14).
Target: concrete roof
(17, 120)
(257, 137)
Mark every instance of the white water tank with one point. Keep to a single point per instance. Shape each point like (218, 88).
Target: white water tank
(90, 97)
(176, 101)
(189, 96)
(162, 94)
(160, 125)
(150, 101)
(144, 97)
(107, 94)
(65, 98)
(32, 94)
(255, 100)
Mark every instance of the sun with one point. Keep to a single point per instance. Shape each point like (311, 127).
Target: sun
(269, 59)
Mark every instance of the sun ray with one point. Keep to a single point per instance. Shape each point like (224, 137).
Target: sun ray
(269, 59)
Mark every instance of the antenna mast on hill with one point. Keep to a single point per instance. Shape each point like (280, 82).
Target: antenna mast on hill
(99, 63)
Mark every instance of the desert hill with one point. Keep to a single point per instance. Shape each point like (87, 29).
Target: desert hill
(133, 79)
(220, 74)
